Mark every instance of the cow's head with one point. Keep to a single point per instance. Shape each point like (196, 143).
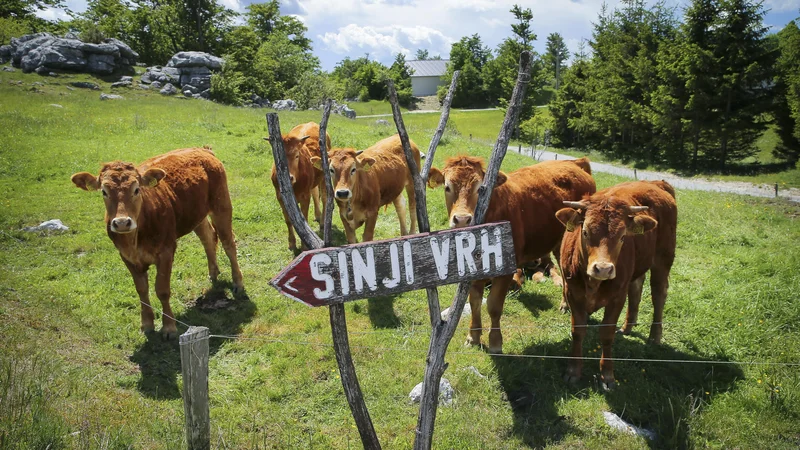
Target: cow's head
(294, 148)
(344, 166)
(122, 187)
(605, 223)
(461, 176)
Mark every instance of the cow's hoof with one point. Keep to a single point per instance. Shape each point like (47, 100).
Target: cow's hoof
(557, 281)
(169, 335)
(496, 350)
(564, 308)
(571, 379)
(148, 329)
(471, 342)
(625, 331)
(608, 385)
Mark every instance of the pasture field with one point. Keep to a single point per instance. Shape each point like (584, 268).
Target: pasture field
(75, 372)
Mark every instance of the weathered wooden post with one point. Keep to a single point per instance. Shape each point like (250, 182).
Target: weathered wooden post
(341, 345)
(776, 190)
(194, 368)
(442, 331)
(635, 175)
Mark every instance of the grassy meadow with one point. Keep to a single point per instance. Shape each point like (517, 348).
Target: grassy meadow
(75, 371)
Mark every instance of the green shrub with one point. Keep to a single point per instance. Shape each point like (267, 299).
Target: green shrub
(226, 87)
(92, 34)
(313, 88)
(11, 28)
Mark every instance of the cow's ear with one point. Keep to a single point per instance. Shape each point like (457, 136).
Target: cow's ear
(435, 178)
(366, 162)
(570, 218)
(152, 177)
(501, 178)
(316, 161)
(86, 181)
(640, 224)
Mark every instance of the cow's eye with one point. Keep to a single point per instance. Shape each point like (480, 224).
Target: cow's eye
(105, 194)
(447, 189)
(585, 233)
(353, 170)
(136, 191)
(297, 157)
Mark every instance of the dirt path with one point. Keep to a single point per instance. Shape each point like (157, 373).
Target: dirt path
(694, 184)
(426, 111)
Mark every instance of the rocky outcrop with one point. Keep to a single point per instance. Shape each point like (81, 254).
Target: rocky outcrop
(284, 105)
(343, 110)
(188, 72)
(43, 52)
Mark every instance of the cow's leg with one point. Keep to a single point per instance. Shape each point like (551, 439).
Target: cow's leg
(208, 236)
(317, 209)
(400, 208)
(552, 269)
(607, 333)
(412, 206)
(222, 221)
(494, 305)
(475, 303)
(659, 283)
(143, 289)
(304, 201)
(579, 321)
(164, 271)
(369, 227)
(349, 231)
(634, 298)
(519, 279)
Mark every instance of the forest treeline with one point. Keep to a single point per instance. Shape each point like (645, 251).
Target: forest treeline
(692, 89)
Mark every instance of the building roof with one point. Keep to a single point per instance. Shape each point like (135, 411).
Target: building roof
(428, 68)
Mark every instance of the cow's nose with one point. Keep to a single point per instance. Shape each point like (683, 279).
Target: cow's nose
(462, 220)
(122, 224)
(603, 271)
(343, 193)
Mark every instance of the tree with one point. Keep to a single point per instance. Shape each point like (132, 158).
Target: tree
(557, 52)
(522, 29)
(787, 93)
(26, 9)
(401, 76)
(421, 55)
(265, 19)
(468, 55)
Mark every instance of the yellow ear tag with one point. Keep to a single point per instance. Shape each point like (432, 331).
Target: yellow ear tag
(637, 228)
(570, 226)
(152, 182)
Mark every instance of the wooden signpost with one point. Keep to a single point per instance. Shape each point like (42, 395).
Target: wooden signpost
(338, 274)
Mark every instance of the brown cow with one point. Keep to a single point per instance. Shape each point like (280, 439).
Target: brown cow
(605, 254)
(365, 180)
(528, 198)
(149, 207)
(301, 144)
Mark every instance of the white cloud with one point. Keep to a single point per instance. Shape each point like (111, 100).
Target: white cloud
(232, 4)
(782, 5)
(52, 14)
(383, 42)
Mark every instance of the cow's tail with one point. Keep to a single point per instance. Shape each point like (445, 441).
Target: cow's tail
(665, 186)
(584, 164)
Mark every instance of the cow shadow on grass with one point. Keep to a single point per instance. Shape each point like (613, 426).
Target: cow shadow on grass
(657, 396)
(160, 361)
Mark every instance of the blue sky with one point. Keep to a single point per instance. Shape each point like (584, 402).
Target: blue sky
(383, 28)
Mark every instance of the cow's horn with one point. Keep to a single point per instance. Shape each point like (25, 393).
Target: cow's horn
(575, 205)
(304, 138)
(266, 138)
(636, 209)
(359, 152)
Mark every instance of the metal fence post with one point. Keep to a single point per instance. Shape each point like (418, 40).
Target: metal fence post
(194, 367)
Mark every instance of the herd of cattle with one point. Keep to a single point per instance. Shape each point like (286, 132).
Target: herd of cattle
(605, 241)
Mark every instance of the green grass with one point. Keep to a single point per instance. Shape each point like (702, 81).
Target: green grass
(75, 372)
(372, 107)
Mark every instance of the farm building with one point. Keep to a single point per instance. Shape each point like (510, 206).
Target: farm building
(426, 76)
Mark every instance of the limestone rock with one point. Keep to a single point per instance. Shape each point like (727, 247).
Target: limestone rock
(111, 97)
(195, 59)
(168, 89)
(284, 105)
(446, 393)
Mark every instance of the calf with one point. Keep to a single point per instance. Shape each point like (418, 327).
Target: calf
(613, 238)
(149, 207)
(529, 199)
(300, 145)
(365, 180)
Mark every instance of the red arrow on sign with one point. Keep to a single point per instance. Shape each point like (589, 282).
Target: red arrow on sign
(338, 274)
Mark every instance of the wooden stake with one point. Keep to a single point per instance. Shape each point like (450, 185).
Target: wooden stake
(341, 344)
(194, 368)
(443, 331)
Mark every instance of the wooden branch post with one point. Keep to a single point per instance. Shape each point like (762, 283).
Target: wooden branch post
(341, 345)
(194, 368)
(443, 331)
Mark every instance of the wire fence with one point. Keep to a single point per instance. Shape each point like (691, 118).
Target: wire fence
(280, 339)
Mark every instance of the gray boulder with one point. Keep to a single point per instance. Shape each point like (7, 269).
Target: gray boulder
(195, 59)
(188, 93)
(5, 53)
(382, 122)
(111, 97)
(43, 52)
(258, 102)
(121, 84)
(284, 105)
(85, 85)
(156, 85)
(168, 89)
(126, 78)
(446, 393)
(162, 75)
(50, 225)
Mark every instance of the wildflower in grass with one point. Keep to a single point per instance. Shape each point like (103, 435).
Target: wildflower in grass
(759, 381)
